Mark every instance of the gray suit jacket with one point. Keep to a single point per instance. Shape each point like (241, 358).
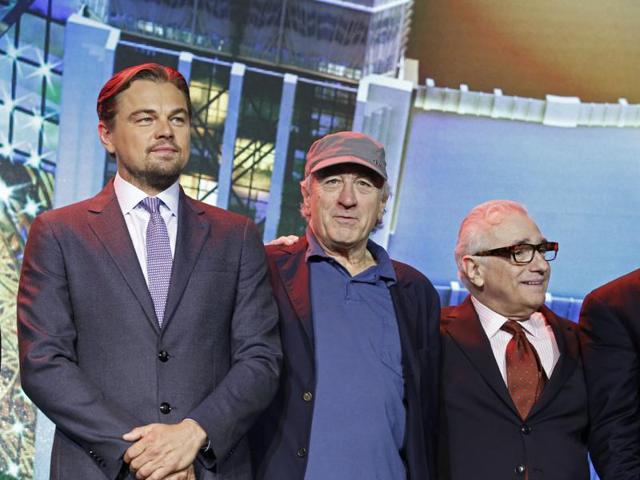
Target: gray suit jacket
(94, 360)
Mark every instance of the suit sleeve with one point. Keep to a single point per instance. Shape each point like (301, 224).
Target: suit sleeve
(433, 379)
(49, 370)
(248, 388)
(613, 382)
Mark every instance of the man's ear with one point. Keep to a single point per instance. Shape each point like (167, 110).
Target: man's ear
(473, 270)
(104, 132)
(305, 196)
(382, 205)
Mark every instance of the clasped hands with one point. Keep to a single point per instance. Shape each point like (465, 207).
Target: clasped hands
(164, 451)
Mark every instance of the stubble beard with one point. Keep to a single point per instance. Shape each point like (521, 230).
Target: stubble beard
(158, 175)
(161, 178)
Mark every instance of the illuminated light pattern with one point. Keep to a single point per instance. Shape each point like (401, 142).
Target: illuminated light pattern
(20, 202)
(209, 89)
(29, 97)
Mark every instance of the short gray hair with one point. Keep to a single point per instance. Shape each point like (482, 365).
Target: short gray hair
(474, 226)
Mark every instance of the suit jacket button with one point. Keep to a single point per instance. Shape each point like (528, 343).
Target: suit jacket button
(526, 429)
(165, 408)
(163, 356)
(520, 469)
(302, 452)
(307, 396)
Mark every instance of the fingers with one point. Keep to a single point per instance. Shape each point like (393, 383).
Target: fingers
(133, 452)
(291, 239)
(135, 434)
(145, 464)
(156, 468)
(164, 449)
(286, 240)
(152, 471)
(164, 473)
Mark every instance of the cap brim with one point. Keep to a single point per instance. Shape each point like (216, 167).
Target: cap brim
(346, 159)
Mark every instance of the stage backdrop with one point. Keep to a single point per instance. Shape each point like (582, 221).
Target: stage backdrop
(580, 184)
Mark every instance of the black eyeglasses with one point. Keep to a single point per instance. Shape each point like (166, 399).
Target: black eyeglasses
(523, 253)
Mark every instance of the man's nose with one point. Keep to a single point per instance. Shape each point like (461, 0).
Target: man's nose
(539, 264)
(164, 129)
(347, 195)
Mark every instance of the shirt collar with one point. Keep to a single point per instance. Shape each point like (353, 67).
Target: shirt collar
(492, 321)
(384, 266)
(129, 196)
(313, 247)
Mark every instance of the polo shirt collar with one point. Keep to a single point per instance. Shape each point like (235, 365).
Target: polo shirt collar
(384, 267)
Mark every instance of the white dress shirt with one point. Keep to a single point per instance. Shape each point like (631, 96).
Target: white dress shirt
(137, 217)
(536, 328)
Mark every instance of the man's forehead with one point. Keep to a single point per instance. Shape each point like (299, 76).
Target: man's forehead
(144, 92)
(514, 227)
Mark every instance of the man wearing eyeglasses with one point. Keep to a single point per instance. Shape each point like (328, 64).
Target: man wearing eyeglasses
(513, 397)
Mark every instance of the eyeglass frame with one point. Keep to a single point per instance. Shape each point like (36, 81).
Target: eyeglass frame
(509, 252)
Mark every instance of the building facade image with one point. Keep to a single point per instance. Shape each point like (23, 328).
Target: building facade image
(267, 78)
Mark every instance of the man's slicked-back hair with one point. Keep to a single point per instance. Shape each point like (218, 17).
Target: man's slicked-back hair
(122, 80)
(477, 222)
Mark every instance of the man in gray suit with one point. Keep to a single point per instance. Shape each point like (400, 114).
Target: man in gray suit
(148, 332)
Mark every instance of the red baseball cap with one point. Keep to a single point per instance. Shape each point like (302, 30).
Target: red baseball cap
(346, 147)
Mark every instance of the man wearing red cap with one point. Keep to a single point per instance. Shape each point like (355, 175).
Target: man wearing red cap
(358, 394)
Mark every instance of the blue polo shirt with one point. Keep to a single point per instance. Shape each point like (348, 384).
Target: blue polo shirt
(358, 415)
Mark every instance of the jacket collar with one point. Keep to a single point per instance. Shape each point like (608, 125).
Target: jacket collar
(463, 325)
(107, 222)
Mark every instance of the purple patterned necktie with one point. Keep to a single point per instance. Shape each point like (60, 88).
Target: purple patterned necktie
(159, 259)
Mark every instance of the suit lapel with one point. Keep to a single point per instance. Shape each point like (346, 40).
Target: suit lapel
(294, 273)
(192, 233)
(106, 220)
(465, 329)
(567, 342)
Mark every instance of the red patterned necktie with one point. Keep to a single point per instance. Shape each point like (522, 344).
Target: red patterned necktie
(525, 375)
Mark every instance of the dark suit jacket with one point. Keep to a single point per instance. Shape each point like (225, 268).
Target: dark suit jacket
(90, 345)
(482, 436)
(610, 336)
(284, 429)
